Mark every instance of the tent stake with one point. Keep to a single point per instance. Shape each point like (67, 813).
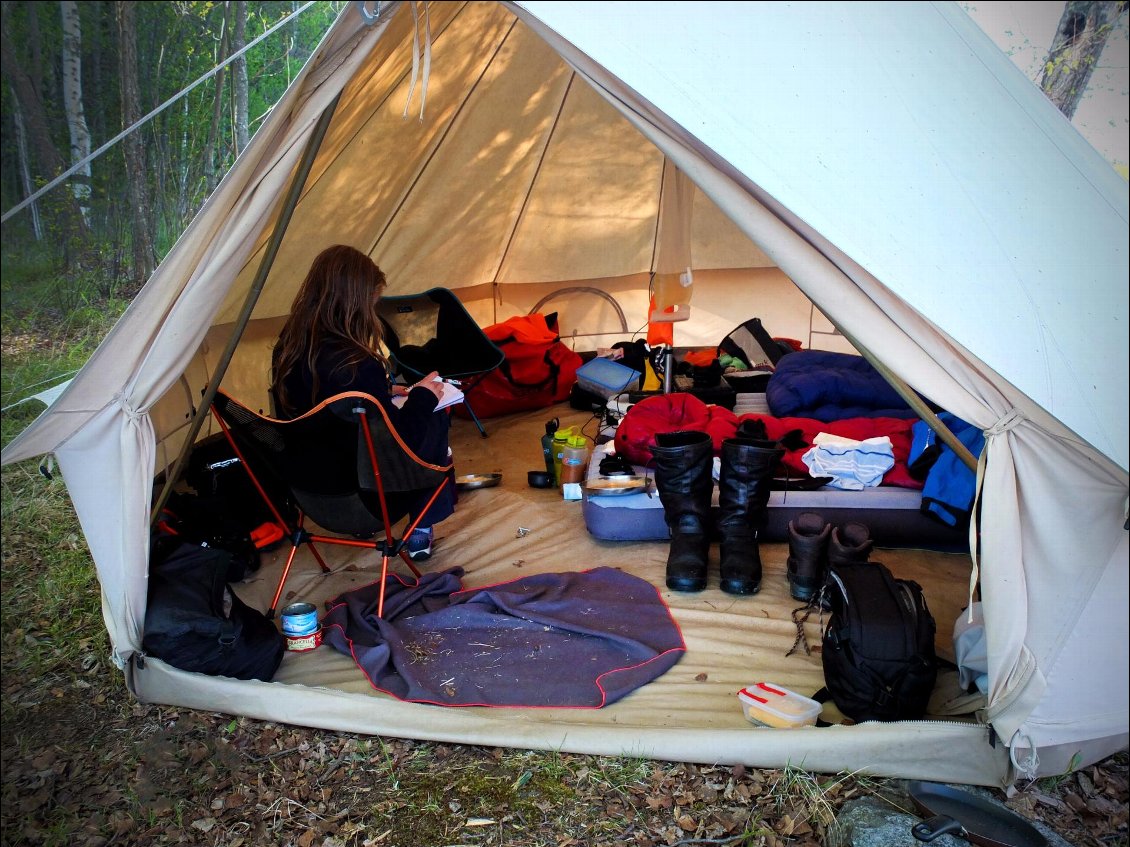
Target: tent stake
(290, 202)
(914, 401)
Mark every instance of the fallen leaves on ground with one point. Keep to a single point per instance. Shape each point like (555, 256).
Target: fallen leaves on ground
(121, 772)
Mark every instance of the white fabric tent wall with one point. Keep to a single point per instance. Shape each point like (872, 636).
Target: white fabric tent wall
(1025, 638)
(898, 187)
(868, 145)
(915, 349)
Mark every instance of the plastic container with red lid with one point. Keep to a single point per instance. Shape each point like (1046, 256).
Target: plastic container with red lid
(767, 704)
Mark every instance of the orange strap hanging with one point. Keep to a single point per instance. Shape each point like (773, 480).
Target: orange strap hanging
(659, 333)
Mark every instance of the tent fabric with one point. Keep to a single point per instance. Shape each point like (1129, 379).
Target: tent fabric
(888, 160)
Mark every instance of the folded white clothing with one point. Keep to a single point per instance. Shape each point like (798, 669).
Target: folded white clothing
(853, 465)
(827, 439)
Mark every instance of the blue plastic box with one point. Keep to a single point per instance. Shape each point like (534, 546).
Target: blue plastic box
(606, 378)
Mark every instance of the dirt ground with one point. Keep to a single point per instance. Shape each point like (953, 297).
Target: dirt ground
(84, 763)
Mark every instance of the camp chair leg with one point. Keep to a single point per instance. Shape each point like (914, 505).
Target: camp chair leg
(381, 594)
(299, 537)
(267, 434)
(474, 417)
(318, 556)
(282, 581)
(411, 565)
(402, 551)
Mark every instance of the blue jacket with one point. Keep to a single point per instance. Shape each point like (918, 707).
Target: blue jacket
(949, 484)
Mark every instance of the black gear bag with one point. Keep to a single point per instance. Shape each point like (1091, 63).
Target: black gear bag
(202, 521)
(878, 645)
(195, 622)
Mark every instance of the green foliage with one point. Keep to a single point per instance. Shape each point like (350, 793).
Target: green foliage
(50, 602)
(60, 299)
(51, 324)
(178, 44)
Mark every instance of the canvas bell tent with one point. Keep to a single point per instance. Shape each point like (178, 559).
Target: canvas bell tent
(872, 173)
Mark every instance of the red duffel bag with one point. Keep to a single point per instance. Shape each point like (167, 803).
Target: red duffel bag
(538, 370)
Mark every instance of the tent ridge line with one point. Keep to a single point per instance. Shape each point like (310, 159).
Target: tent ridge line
(658, 219)
(404, 74)
(312, 184)
(321, 69)
(680, 133)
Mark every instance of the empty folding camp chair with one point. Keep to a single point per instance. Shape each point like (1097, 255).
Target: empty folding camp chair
(340, 462)
(433, 331)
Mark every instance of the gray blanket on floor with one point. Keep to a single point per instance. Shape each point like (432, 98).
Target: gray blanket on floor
(562, 639)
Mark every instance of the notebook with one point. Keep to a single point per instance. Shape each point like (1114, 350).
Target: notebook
(449, 397)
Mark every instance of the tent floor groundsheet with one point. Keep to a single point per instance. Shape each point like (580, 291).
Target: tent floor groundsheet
(691, 713)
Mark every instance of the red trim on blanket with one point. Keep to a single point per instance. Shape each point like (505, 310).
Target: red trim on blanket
(596, 682)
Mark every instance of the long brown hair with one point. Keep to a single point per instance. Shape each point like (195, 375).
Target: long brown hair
(336, 308)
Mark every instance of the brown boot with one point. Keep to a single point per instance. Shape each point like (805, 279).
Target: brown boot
(850, 542)
(808, 554)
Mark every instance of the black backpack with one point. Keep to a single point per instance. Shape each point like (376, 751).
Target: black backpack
(195, 622)
(220, 480)
(878, 645)
(203, 521)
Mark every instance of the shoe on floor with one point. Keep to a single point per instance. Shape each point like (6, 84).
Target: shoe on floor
(420, 544)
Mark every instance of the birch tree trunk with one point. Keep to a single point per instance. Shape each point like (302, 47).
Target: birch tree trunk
(210, 177)
(239, 76)
(72, 101)
(144, 256)
(25, 167)
(1079, 40)
(65, 222)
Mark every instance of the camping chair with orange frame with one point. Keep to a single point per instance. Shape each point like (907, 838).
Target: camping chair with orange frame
(341, 464)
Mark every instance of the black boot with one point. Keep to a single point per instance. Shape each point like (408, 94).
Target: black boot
(683, 463)
(808, 554)
(743, 495)
(850, 542)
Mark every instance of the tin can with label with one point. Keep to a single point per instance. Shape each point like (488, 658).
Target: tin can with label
(304, 643)
(299, 619)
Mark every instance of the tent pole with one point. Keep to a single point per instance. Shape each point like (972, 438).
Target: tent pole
(290, 202)
(914, 401)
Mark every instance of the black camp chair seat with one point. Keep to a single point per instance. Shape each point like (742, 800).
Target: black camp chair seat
(342, 463)
(433, 331)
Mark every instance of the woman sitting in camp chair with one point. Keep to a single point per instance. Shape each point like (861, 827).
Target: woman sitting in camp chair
(331, 343)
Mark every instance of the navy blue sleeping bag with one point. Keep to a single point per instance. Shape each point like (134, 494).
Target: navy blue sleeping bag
(830, 386)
